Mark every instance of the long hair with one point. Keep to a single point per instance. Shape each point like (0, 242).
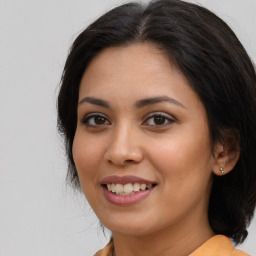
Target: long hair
(218, 69)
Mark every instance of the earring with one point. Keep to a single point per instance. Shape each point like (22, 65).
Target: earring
(221, 170)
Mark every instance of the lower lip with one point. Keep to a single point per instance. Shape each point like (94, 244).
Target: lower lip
(123, 200)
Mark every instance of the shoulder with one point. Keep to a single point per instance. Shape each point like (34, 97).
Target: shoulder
(237, 252)
(106, 251)
(218, 245)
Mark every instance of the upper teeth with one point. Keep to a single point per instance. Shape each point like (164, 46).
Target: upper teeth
(127, 189)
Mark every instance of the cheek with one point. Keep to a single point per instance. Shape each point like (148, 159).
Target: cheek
(87, 154)
(184, 170)
(183, 160)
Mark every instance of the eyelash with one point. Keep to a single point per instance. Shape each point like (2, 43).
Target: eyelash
(166, 117)
(90, 117)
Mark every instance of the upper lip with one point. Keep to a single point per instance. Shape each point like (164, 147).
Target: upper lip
(125, 180)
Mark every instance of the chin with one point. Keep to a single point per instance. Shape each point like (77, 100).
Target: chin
(132, 226)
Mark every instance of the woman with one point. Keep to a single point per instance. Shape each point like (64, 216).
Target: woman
(158, 109)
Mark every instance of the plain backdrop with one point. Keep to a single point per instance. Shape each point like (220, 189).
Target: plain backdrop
(39, 215)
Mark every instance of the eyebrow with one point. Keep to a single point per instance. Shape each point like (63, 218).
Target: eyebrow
(155, 100)
(95, 101)
(139, 104)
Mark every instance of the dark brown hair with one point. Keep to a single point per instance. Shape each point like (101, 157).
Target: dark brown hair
(218, 69)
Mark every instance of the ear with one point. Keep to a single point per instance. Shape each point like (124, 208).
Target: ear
(226, 158)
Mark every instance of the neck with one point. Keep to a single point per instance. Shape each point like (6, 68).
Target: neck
(175, 241)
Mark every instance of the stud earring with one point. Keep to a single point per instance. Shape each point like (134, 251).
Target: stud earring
(221, 170)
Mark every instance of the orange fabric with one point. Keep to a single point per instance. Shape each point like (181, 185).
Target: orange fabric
(218, 245)
(106, 251)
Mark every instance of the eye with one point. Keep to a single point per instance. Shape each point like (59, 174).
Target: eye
(95, 120)
(158, 120)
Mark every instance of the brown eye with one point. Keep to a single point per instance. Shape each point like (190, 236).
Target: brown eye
(159, 120)
(99, 120)
(95, 120)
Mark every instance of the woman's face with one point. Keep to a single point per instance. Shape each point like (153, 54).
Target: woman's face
(141, 126)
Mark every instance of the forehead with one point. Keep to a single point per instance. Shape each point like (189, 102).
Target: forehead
(148, 56)
(136, 71)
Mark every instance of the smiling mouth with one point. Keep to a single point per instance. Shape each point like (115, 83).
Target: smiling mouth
(127, 189)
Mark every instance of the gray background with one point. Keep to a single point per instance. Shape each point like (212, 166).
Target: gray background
(39, 216)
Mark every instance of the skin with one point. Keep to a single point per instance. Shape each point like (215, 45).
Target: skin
(177, 155)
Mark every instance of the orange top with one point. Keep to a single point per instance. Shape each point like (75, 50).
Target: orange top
(218, 245)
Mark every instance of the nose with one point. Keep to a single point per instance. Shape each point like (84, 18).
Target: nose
(124, 147)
